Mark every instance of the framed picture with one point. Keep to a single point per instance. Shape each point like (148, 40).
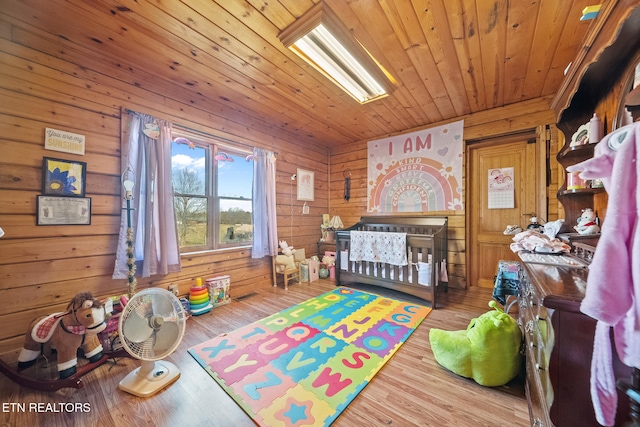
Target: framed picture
(63, 177)
(305, 185)
(56, 210)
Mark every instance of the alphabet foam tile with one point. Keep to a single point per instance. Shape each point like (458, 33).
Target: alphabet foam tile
(304, 365)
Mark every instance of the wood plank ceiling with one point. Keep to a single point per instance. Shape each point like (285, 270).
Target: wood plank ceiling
(449, 57)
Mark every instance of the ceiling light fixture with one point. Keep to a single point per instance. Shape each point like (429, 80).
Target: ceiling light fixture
(321, 39)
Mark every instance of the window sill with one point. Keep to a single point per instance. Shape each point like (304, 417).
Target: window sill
(215, 251)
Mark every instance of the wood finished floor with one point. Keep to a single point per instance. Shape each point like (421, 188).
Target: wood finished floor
(412, 389)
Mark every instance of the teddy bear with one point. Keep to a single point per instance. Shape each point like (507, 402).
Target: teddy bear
(587, 223)
(487, 351)
(286, 249)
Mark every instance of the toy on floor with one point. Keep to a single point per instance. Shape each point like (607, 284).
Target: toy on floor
(219, 290)
(329, 263)
(78, 327)
(487, 351)
(199, 300)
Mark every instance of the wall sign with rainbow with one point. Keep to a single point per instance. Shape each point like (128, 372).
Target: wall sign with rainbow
(416, 172)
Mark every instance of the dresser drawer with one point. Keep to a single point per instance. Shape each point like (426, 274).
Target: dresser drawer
(535, 320)
(538, 401)
(539, 335)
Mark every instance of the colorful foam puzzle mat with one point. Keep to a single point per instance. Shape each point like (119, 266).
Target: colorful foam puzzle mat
(304, 365)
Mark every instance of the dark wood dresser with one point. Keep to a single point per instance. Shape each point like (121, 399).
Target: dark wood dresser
(559, 343)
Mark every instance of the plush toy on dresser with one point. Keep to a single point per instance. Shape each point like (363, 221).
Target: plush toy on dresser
(78, 327)
(587, 223)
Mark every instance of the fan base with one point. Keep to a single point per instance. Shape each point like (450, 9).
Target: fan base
(150, 378)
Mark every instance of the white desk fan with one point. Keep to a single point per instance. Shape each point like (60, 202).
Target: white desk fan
(151, 327)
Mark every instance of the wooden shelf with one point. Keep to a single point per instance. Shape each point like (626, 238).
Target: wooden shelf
(577, 151)
(608, 46)
(581, 191)
(573, 238)
(595, 84)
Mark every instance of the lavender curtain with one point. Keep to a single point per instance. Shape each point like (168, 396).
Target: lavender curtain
(265, 226)
(147, 161)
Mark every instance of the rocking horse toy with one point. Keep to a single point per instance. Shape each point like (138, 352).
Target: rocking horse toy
(78, 327)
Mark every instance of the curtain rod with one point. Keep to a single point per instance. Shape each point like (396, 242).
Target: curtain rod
(202, 133)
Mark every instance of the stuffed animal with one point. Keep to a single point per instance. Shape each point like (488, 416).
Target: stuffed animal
(512, 229)
(78, 327)
(587, 223)
(286, 249)
(328, 260)
(535, 225)
(487, 351)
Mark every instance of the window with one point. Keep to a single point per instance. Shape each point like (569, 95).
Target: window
(212, 186)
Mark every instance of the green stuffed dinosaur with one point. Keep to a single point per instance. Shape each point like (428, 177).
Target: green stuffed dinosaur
(487, 351)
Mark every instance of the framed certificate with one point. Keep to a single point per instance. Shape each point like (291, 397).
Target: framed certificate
(54, 210)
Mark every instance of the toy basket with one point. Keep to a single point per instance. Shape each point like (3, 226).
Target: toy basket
(219, 290)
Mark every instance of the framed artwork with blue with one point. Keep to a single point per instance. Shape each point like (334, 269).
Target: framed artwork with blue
(63, 177)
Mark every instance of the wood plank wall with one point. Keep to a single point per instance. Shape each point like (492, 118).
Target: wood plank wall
(41, 268)
(490, 123)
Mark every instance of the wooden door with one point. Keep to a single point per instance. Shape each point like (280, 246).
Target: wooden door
(487, 242)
